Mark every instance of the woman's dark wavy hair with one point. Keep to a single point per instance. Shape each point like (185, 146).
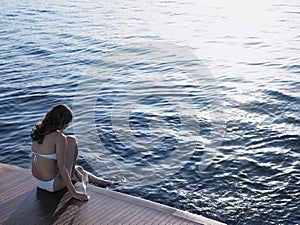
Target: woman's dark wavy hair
(54, 120)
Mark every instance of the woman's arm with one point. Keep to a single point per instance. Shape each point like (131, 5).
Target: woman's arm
(64, 173)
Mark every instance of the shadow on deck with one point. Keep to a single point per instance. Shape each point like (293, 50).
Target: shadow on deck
(22, 203)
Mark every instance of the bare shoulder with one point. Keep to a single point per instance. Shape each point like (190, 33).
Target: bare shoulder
(58, 137)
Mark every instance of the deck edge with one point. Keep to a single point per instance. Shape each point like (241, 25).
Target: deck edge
(131, 199)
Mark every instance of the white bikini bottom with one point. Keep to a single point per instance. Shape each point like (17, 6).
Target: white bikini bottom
(46, 185)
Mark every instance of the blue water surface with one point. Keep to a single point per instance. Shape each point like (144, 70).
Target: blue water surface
(251, 50)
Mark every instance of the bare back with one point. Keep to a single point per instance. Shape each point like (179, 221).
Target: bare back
(43, 168)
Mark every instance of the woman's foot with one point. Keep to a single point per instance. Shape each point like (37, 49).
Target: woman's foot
(103, 183)
(78, 175)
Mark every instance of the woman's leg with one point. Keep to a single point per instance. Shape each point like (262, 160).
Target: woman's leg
(92, 178)
(76, 172)
(71, 155)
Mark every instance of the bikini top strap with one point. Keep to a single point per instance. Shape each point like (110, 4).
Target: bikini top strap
(34, 156)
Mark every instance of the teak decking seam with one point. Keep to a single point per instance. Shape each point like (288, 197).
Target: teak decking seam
(22, 203)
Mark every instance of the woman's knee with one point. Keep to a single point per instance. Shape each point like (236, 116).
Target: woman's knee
(78, 172)
(79, 168)
(71, 142)
(72, 151)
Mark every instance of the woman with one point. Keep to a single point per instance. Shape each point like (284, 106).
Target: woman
(54, 154)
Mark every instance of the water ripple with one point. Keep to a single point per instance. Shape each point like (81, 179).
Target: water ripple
(254, 179)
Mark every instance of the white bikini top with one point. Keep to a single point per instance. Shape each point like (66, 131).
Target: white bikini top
(48, 156)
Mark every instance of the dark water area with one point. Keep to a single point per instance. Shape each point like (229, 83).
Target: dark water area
(206, 121)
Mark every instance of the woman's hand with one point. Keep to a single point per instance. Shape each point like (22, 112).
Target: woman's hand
(80, 196)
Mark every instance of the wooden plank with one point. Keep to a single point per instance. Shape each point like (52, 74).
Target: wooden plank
(153, 218)
(22, 203)
(113, 214)
(132, 210)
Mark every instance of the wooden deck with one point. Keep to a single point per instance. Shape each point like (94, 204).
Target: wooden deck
(22, 203)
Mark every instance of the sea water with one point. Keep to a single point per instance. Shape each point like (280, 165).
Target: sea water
(195, 104)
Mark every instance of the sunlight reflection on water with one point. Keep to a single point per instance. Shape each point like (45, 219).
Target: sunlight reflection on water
(250, 47)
